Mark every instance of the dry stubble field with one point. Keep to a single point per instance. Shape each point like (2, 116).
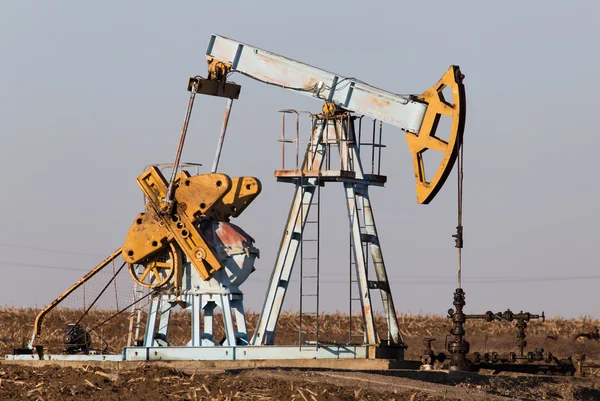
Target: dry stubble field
(147, 382)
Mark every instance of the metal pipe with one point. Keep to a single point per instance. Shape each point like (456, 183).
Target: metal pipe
(358, 144)
(186, 122)
(318, 259)
(373, 148)
(297, 138)
(338, 138)
(379, 158)
(476, 316)
(459, 227)
(222, 136)
(347, 142)
(302, 189)
(313, 146)
(115, 285)
(283, 141)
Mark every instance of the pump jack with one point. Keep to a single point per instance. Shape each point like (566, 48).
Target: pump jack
(184, 248)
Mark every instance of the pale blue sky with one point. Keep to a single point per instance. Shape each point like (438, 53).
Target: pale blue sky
(94, 91)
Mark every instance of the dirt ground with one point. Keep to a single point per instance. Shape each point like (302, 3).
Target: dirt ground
(151, 382)
(157, 383)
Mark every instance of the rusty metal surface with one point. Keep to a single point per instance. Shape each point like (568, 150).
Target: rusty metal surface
(235, 247)
(231, 238)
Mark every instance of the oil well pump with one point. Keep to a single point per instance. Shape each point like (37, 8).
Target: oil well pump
(185, 250)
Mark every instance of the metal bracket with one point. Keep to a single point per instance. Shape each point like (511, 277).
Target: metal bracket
(378, 285)
(214, 88)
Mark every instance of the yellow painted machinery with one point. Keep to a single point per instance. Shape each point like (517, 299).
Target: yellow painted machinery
(160, 236)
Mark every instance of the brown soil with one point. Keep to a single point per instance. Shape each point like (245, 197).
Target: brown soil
(159, 383)
(145, 383)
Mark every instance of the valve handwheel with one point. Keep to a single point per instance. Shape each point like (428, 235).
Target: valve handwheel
(158, 269)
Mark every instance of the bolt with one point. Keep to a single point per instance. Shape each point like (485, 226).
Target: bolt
(200, 253)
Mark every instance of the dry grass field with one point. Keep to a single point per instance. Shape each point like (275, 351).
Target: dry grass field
(162, 383)
(555, 335)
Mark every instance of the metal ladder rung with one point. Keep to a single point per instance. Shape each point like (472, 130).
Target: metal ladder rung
(377, 145)
(309, 295)
(310, 276)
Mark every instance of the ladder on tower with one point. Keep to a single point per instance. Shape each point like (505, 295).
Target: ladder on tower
(328, 132)
(308, 332)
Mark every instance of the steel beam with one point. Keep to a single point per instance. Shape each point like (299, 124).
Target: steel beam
(350, 93)
(359, 259)
(362, 193)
